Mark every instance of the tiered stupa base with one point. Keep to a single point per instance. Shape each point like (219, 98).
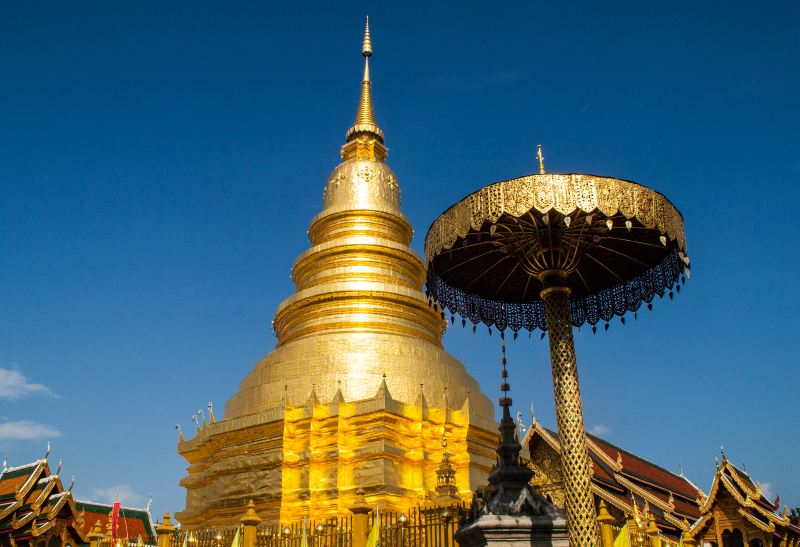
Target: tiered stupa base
(311, 459)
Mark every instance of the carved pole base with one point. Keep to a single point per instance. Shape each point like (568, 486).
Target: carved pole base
(569, 413)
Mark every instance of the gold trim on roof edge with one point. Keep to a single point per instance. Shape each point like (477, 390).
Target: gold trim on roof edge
(564, 193)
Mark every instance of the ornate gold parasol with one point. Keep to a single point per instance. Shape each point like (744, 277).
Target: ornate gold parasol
(549, 252)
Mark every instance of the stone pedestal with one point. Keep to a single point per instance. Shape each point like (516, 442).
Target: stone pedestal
(516, 531)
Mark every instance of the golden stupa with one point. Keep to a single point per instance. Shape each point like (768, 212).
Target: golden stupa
(358, 392)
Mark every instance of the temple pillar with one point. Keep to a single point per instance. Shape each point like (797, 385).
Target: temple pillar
(606, 521)
(360, 511)
(165, 532)
(249, 522)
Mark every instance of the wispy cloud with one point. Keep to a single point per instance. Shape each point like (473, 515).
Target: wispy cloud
(599, 430)
(14, 385)
(127, 495)
(26, 430)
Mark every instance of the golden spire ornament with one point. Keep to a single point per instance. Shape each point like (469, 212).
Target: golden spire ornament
(365, 115)
(540, 157)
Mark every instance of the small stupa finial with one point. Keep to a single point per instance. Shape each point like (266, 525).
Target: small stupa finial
(540, 157)
(366, 49)
(365, 115)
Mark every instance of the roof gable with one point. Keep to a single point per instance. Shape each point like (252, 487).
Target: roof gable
(33, 501)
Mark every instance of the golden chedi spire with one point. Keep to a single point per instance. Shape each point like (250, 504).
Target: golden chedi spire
(365, 115)
(335, 406)
(359, 301)
(364, 140)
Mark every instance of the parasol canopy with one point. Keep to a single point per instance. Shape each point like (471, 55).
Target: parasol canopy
(618, 243)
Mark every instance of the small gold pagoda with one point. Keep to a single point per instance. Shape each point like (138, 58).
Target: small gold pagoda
(358, 391)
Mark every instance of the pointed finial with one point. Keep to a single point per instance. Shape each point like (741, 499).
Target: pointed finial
(366, 48)
(211, 418)
(365, 115)
(180, 433)
(540, 157)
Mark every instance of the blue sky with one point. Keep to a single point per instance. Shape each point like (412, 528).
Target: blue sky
(160, 162)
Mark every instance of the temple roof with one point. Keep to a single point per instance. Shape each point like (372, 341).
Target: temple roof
(637, 486)
(133, 522)
(754, 507)
(630, 483)
(33, 502)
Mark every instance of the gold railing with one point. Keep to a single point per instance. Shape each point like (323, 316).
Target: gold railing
(329, 532)
(212, 537)
(123, 542)
(429, 527)
(420, 527)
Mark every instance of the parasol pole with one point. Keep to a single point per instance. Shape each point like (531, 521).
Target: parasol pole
(575, 464)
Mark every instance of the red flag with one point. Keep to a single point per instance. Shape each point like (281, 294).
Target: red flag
(114, 520)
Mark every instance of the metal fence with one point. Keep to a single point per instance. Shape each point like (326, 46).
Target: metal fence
(424, 527)
(329, 532)
(210, 537)
(432, 527)
(124, 542)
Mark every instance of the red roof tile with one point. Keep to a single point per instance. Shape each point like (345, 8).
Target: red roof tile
(132, 522)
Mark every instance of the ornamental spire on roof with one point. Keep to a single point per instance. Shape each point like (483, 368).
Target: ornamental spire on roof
(365, 115)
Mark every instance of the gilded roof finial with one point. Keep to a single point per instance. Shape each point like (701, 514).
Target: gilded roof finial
(211, 418)
(365, 115)
(180, 433)
(540, 157)
(366, 49)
